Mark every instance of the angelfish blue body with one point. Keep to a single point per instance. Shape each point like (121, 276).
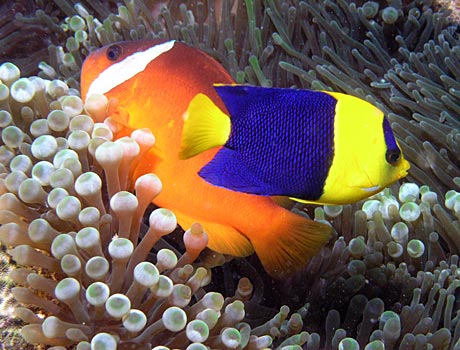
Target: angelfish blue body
(281, 141)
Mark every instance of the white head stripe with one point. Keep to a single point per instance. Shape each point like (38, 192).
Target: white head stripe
(124, 70)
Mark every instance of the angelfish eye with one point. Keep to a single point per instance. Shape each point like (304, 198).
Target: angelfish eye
(113, 52)
(392, 156)
(393, 153)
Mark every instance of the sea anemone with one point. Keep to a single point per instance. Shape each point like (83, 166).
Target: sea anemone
(72, 226)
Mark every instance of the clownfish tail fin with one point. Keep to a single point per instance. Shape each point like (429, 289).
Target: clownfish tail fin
(289, 242)
(205, 127)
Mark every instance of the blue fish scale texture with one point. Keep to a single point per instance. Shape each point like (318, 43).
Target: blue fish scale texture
(283, 137)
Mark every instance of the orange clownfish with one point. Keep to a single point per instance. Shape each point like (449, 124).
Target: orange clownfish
(154, 82)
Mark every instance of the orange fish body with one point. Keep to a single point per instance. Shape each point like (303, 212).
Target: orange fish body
(156, 98)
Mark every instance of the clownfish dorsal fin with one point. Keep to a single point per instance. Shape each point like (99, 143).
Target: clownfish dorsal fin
(205, 127)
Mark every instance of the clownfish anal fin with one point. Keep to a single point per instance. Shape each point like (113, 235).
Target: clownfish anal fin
(221, 238)
(228, 171)
(205, 127)
(284, 202)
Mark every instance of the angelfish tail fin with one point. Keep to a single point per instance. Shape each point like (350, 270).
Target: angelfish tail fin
(290, 242)
(205, 127)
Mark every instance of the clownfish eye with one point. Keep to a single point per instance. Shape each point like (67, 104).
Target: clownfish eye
(113, 52)
(392, 156)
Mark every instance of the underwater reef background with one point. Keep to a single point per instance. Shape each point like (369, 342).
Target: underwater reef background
(388, 279)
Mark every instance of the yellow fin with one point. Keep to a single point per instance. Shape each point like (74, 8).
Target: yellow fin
(221, 238)
(304, 201)
(205, 127)
(290, 242)
(319, 201)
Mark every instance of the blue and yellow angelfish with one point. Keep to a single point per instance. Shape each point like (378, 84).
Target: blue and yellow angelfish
(313, 146)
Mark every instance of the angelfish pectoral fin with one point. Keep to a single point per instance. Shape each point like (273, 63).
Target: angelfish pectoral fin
(227, 170)
(205, 127)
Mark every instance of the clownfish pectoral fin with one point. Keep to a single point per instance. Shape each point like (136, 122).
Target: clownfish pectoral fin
(288, 242)
(146, 164)
(221, 238)
(117, 113)
(227, 170)
(205, 127)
